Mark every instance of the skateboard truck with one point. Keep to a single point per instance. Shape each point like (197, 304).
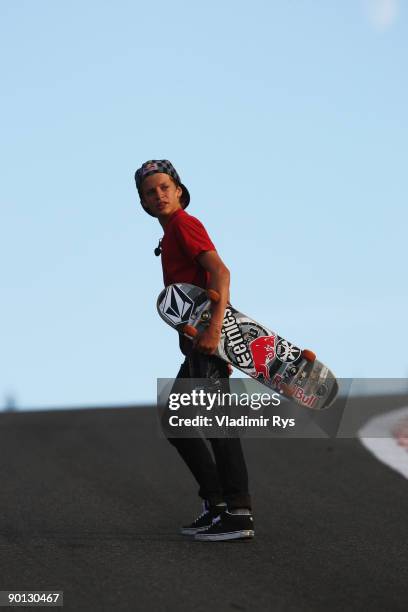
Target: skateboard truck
(191, 331)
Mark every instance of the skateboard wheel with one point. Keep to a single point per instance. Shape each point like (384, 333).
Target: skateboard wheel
(309, 355)
(189, 330)
(213, 295)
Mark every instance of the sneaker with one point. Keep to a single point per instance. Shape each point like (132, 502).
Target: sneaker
(204, 520)
(228, 526)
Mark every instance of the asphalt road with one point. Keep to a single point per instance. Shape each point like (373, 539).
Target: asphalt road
(92, 500)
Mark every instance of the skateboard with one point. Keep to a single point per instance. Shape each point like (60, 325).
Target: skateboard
(251, 347)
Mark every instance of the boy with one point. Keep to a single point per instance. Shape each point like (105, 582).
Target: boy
(188, 255)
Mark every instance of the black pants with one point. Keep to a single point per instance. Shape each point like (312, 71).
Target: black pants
(224, 477)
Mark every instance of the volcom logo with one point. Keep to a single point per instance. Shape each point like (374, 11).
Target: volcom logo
(176, 305)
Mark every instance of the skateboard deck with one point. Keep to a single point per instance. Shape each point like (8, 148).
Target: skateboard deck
(251, 347)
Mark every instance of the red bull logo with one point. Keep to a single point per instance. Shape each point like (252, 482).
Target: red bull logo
(150, 168)
(305, 400)
(263, 352)
(295, 391)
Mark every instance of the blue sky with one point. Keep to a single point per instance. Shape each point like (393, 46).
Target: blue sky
(288, 123)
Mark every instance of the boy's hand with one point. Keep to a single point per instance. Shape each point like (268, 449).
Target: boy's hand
(207, 342)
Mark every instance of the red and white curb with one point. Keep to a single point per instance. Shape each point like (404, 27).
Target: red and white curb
(386, 436)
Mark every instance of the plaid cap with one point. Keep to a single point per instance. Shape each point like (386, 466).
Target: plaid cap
(153, 166)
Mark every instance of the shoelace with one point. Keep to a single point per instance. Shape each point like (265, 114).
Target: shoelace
(204, 512)
(214, 521)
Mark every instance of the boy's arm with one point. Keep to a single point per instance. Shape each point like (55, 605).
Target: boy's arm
(207, 342)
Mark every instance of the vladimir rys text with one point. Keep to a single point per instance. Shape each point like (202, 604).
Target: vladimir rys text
(219, 413)
(201, 399)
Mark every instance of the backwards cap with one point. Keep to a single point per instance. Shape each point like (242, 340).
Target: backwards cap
(153, 166)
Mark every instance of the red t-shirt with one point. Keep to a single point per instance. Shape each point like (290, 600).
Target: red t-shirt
(184, 238)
